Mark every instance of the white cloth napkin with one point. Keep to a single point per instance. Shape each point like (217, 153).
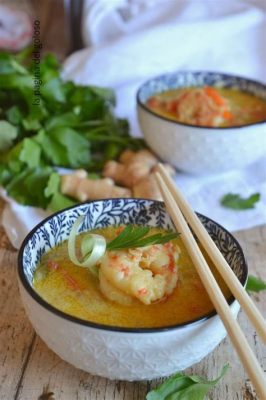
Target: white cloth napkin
(131, 41)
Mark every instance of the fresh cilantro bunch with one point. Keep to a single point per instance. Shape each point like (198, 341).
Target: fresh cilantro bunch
(71, 126)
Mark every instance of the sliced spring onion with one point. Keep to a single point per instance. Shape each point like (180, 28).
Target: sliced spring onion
(92, 247)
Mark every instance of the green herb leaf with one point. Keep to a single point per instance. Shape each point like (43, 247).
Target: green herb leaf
(8, 134)
(14, 115)
(64, 147)
(53, 91)
(53, 184)
(182, 387)
(21, 186)
(58, 201)
(134, 236)
(236, 202)
(47, 122)
(30, 153)
(255, 284)
(9, 64)
(68, 119)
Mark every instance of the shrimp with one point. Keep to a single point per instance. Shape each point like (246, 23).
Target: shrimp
(148, 274)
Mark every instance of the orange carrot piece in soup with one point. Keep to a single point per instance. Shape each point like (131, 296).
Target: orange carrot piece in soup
(153, 102)
(172, 106)
(70, 281)
(52, 265)
(227, 115)
(215, 96)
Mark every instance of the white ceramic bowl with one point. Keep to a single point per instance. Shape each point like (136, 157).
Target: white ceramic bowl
(198, 149)
(113, 352)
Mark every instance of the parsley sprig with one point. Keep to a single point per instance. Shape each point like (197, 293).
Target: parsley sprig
(71, 126)
(236, 202)
(134, 236)
(255, 284)
(185, 387)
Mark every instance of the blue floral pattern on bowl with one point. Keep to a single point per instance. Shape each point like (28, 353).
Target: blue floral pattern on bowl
(181, 79)
(102, 213)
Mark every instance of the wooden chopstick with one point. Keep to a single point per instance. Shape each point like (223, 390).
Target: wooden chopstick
(221, 264)
(238, 339)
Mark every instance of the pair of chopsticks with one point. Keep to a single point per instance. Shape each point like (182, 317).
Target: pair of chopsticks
(182, 215)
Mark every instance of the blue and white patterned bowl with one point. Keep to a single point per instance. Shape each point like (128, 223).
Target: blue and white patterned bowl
(199, 149)
(115, 352)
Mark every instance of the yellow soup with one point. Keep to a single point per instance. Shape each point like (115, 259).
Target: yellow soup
(75, 291)
(209, 106)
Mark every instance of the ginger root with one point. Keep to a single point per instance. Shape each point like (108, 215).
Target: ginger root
(134, 170)
(126, 175)
(78, 186)
(143, 156)
(147, 188)
(133, 166)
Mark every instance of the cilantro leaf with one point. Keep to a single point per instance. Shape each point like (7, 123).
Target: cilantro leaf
(8, 133)
(136, 236)
(14, 115)
(182, 387)
(58, 201)
(47, 122)
(21, 186)
(53, 91)
(30, 153)
(69, 119)
(255, 284)
(52, 184)
(9, 64)
(236, 202)
(64, 147)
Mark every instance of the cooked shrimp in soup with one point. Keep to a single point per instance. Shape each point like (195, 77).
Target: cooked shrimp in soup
(155, 285)
(148, 274)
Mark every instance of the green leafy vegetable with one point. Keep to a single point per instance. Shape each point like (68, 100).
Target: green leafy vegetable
(30, 153)
(65, 147)
(182, 387)
(255, 284)
(52, 190)
(28, 186)
(236, 202)
(8, 134)
(136, 236)
(47, 123)
(14, 115)
(59, 202)
(52, 184)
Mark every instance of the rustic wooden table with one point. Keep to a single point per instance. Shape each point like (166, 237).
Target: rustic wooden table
(30, 371)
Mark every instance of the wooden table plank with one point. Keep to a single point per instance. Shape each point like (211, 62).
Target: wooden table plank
(16, 333)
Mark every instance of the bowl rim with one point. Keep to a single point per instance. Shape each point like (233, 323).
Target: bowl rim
(220, 128)
(49, 307)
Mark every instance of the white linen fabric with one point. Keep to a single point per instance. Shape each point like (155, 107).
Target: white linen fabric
(131, 41)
